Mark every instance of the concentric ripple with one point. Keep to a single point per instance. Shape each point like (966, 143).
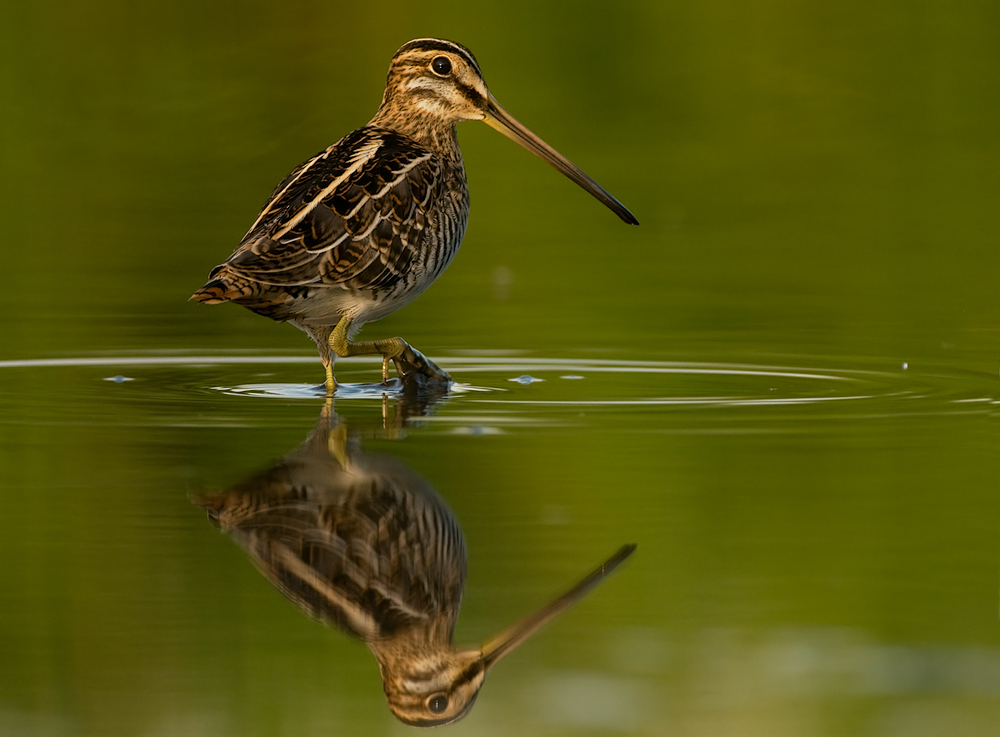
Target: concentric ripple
(503, 384)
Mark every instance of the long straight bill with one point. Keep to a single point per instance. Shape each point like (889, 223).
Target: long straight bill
(495, 650)
(499, 119)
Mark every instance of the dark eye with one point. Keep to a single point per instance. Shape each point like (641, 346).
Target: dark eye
(438, 704)
(441, 65)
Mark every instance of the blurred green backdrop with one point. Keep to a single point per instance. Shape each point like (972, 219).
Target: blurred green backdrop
(803, 170)
(817, 184)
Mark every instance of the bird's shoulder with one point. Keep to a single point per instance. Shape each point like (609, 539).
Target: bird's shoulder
(366, 197)
(369, 164)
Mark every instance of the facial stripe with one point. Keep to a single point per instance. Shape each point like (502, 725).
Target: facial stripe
(432, 95)
(469, 92)
(469, 674)
(437, 44)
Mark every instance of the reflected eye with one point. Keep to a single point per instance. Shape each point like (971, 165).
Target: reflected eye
(437, 704)
(441, 66)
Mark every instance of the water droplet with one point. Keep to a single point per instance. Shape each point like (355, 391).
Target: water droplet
(477, 430)
(525, 379)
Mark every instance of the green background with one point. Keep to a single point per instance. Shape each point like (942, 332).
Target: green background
(817, 187)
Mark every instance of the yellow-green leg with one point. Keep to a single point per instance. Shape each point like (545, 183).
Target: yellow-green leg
(336, 434)
(409, 361)
(331, 383)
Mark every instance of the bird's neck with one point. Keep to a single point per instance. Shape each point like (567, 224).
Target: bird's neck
(423, 126)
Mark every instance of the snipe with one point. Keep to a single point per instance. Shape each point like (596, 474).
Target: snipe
(362, 228)
(360, 542)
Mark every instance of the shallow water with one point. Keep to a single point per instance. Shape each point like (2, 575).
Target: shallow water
(782, 385)
(815, 544)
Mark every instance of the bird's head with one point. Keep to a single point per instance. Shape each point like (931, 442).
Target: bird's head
(427, 686)
(437, 79)
(435, 84)
(435, 690)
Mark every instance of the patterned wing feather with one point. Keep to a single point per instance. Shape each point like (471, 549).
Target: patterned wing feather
(351, 215)
(374, 551)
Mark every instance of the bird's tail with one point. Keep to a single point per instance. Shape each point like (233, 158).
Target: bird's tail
(224, 286)
(212, 293)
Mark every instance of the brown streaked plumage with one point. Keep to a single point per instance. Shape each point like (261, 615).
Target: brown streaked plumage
(360, 542)
(362, 228)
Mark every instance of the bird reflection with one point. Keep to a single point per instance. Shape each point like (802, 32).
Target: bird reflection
(360, 542)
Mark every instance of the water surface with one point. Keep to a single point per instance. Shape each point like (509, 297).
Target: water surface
(782, 385)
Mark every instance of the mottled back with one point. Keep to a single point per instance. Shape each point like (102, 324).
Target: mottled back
(359, 542)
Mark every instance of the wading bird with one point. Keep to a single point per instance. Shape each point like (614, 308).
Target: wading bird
(360, 542)
(362, 228)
